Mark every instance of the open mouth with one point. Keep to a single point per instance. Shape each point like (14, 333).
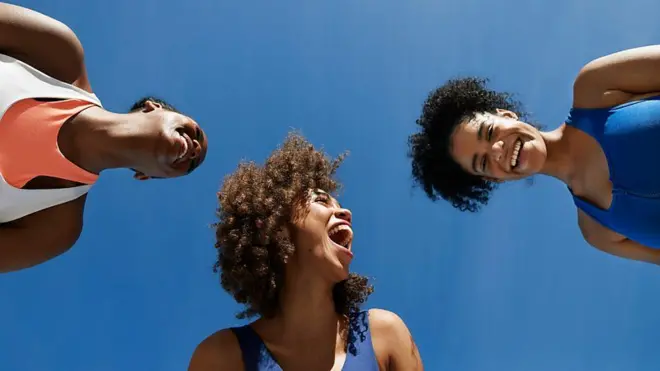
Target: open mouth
(341, 235)
(515, 155)
(186, 146)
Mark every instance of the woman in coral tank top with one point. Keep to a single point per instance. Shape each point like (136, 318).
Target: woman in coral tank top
(56, 138)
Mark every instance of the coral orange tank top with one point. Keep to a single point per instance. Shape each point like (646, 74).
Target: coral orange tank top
(28, 138)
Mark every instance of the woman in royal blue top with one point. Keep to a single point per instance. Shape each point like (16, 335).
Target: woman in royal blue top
(284, 250)
(606, 152)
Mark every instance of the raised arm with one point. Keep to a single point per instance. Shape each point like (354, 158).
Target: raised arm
(44, 43)
(394, 345)
(616, 78)
(41, 236)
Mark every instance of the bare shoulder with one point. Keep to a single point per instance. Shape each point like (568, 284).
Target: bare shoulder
(218, 352)
(393, 342)
(388, 328)
(43, 42)
(384, 320)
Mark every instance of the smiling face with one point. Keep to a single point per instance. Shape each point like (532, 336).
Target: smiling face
(179, 143)
(323, 237)
(498, 147)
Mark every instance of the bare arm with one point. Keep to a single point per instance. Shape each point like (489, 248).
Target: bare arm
(41, 236)
(613, 243)
(393, 343)
(616, 78)
(44, 43)
(218, 352)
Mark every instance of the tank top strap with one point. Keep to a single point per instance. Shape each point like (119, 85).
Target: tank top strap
(360, 353)
(253, 350)
(588, 120)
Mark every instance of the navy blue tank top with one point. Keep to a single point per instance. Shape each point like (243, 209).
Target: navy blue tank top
(360, 355)
(629, 135)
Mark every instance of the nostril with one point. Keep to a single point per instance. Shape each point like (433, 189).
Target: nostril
(196, 149)
(344, 215)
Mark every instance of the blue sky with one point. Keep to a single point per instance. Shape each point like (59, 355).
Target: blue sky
(513, 288)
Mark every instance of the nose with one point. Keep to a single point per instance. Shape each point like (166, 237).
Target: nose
(497, 151)
(197, 149)
(344, 214)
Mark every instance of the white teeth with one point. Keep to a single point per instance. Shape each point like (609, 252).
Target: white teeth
(184, 147)
(342, 227)
(516, 152)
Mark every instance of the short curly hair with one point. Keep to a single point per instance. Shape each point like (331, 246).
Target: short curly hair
(432, 164)
(256, 204)
(142, 102)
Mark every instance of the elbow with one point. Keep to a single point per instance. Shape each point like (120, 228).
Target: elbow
(597, 241)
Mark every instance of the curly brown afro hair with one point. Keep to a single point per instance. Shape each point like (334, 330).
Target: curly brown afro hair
(432, 165)
(256, 203)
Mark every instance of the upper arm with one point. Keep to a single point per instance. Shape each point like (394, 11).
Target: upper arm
(618, 78)
(41, 236)
(595, 233)
(613, 243)
(44, 43)
(393, 342)
(218, 352)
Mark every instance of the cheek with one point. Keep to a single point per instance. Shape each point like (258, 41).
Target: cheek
(312, 227)
(461, 154)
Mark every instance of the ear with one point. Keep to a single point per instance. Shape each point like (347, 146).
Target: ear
(507, 113)
(151, 105)
(140, 176)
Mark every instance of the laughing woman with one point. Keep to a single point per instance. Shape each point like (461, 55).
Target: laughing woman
(606, 152)
(284, 250)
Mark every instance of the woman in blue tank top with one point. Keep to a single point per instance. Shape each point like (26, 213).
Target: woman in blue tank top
(284, 251)
(471, 138)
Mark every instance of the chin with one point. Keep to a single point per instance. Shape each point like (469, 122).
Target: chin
(339, 273)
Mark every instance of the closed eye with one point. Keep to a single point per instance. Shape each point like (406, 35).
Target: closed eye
(323, 198)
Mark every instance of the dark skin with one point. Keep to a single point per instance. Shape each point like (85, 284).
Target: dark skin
(608, 81)
(150, 141)
(483, 146)
(307, 314)
(393, 344)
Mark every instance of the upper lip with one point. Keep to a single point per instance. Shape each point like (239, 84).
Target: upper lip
(339, 223)
(189, 147)
(343, 223)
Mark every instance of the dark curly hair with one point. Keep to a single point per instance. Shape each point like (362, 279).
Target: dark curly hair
(141, 103)
(432, 165)
(256, 203)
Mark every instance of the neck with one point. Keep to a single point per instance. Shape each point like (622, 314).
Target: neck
(559, 162)
(307, 309)
(99, 140)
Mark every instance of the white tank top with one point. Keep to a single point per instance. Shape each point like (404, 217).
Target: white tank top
(20, 81)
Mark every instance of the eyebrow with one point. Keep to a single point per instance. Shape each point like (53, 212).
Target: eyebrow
(479, 136)
(480, 130)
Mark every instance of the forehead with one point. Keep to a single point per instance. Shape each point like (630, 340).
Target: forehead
(465, 140)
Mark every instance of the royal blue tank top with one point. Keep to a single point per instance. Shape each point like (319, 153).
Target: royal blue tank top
(360, 355)
(629, 134)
